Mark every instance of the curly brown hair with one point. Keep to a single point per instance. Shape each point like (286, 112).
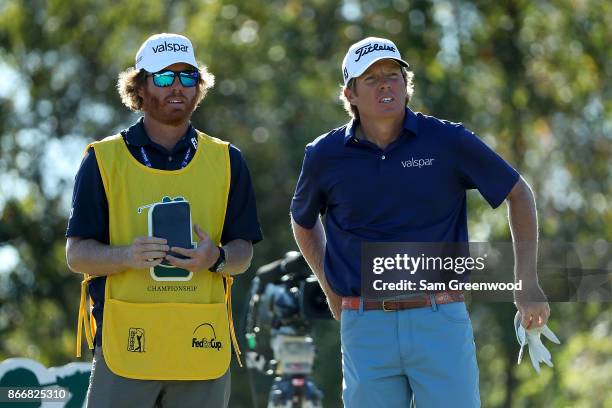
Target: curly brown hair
(132, 80)
(352, 109)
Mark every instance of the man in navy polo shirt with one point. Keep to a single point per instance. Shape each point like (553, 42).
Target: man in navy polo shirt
(393, 175)
(167, 85)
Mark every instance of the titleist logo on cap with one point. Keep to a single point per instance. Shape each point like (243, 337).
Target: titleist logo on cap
(368, 48)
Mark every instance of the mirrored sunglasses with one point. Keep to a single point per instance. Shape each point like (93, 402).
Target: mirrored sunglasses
(164, 79)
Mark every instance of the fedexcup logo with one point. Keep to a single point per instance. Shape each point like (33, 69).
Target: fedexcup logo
(174, 47)
(368, 48)
(206, 342)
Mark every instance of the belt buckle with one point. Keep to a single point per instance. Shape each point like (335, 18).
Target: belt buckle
(384, 306)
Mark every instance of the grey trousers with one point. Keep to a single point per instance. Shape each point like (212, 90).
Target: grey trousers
(108, 390)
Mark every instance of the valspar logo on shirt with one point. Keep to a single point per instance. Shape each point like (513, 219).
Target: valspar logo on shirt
(174, 47)
(417, 162)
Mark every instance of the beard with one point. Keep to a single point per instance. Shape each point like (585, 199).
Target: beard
(166, 113)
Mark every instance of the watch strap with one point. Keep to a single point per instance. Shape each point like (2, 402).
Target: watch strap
(220, 262)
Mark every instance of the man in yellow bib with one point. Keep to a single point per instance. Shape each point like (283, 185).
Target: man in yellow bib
(162, 217)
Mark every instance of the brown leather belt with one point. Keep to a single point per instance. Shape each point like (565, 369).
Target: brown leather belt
(422, 300)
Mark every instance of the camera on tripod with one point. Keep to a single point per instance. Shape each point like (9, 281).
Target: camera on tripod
(284, 298)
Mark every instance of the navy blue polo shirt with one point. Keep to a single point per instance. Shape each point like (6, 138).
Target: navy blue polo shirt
(412, 191)
(89, 213)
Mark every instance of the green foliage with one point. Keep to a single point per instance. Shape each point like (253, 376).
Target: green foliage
(531, 78)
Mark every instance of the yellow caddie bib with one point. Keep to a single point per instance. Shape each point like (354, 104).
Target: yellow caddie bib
(165, 324)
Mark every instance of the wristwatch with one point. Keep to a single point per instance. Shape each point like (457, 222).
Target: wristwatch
(220, 262)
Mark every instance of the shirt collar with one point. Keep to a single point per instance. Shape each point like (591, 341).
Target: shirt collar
(410, 124)
(136, 135)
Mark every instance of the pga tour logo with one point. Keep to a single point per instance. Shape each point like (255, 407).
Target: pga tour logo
(136, 340)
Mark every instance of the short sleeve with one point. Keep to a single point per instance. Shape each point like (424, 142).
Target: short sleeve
(309, 199)
(89, 212)
(482, 168)
(241, 215)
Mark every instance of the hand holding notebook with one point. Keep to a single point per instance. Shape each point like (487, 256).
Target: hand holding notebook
(198, 259)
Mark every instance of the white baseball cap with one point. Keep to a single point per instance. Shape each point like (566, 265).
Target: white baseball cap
(364, 53)
(161, 50)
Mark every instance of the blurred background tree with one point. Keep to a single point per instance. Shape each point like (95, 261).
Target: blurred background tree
(532, 78)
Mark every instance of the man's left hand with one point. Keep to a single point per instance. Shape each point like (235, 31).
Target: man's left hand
(534, 314)
(198, 259)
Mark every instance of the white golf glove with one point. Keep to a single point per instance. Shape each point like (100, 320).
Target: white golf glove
(537, 352)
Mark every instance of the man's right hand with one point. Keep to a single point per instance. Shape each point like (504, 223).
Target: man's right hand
(335, 305)
(146, 252)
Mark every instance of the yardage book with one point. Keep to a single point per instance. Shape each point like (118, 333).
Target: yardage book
(171, 220)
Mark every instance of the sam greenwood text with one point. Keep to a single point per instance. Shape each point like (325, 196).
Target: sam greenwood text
(424, 285)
